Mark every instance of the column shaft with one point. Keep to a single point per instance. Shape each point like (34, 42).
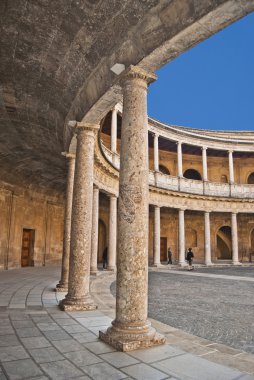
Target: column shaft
(94, 235)
(181, 238)
(78, 297)
(208, 260)
(62, 286)
(204, 160)
(156, 152)
(179, 159)
(131, 329)
(112, 233)
(235, 258)
(231, 167)
(156, 237)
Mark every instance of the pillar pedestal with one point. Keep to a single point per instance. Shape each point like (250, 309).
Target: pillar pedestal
(78, 297)
(131, 329)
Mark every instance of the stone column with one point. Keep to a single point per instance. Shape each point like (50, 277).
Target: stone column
(156, 152)
(114, 131)
(112, 233)
(181, 238)
(179, 159)
(131, 329)
(208, 260)
(231, 167)
(235, 258)
(204, 160)
(78, 297)
(62, 286)
(94, 235)
(157, 237)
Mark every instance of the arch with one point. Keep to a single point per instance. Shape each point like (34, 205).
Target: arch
(163, 169)
(192, 174)
(102, 239)
(250, 179)
(224, 178)
(251, 250)
(224, 243)
(191, 237)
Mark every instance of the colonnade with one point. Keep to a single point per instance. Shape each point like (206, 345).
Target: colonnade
(181, 237)
(180, 160)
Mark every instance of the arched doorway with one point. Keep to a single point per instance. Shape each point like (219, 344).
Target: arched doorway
(252, 245)
(250, 180)
(224, 243)
(192, 174)
(102, 239)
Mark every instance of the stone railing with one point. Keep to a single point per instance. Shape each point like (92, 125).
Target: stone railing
(191, 186)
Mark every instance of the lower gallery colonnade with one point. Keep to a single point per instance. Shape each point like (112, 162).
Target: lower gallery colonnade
(128, 222)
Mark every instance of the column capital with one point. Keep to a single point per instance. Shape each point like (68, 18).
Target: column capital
(234, 212)
(135, 72)
(68, 155)
(155, 134)
(178, 142)
(230, 151)
(204, 147)
(156, 206)
(87, 126)
(95, 187)
(182, 209)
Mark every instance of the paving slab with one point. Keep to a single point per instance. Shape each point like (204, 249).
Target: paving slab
(82, 358)
(144, 372)
(21, 369)
(61, 370)
(12, 353)
(45, 355)
(103, 371)
(119, 359)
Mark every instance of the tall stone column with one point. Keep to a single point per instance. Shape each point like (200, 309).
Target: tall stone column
(62, 286)
(156, 152)
(181, 238)
(156, 237)
(179, 159)
(78, 297)
(94, 235)
(113, 144)
(204, 161)
(112, 233)
(231, 167)
(208, 260)
(235, 258)
(131, 329)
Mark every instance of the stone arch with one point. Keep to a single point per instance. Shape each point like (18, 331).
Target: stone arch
(163, 169)
(224, 243)
(192, 174)
(191, 238)
(251, 244)
(102, 240)
(250, 179)
(224, 178)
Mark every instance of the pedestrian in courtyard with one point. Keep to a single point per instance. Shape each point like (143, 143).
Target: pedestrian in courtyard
(105, 258)
(169, 256)
(189, 259)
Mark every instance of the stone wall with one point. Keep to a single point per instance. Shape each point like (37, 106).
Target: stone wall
(34, 211)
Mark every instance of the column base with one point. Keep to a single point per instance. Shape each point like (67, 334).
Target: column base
(209, 264)
(156, 265)
(76, 304)
(61, 288)
(236, 263)
(184, 264)
(111, 269)
(94, 272)
(131, 339)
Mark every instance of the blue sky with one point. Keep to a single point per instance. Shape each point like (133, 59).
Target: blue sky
(211, 86)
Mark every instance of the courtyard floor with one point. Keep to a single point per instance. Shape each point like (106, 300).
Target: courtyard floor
(38, 341)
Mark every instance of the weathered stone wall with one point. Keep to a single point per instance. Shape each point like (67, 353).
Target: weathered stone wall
(30, 210)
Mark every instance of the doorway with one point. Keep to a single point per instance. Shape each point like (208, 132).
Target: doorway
(224, 243)
(27, 250)
(163, 256)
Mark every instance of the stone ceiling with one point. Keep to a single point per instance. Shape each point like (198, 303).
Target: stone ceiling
(55, 66)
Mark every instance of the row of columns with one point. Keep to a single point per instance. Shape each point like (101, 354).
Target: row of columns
(131, 328)
(181, 237)
(180, 160)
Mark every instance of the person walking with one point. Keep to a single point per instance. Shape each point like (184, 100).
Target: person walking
(169, 256)
(189, 258)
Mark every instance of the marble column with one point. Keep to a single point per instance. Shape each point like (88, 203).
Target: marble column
(112, 233)
(204, 161)
(62, 286)
(156, 152)
(179, 159)
(131, 329)
(113, 144)
(157, 237)
(231, 167)
(94, 235)
(78, 297)
(181, 238)
(235, 258)
(208, 260)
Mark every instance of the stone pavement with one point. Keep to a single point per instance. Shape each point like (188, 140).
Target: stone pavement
(38, 341)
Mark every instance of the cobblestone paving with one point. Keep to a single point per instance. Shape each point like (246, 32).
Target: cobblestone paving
(221, 310)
